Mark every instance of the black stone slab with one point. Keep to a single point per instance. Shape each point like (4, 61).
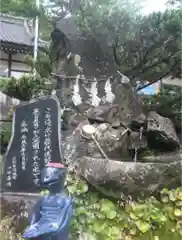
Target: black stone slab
(35, 141)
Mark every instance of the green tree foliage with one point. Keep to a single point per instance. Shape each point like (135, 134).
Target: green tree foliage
(168, 96)
(22, 8)
(144, 47)
(155, 49)
(23, 89)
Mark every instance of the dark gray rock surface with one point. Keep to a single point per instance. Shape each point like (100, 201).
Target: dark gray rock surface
(117, 179)
(161, 132)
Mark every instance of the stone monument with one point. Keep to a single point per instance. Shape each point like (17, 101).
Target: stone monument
(35, 141)
(32, 162)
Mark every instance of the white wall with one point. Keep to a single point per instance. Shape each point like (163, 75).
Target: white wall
(3, 66)
(18, 67)
(170, 81)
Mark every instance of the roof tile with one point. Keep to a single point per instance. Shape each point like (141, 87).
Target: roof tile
(15, 30)
(18, 30)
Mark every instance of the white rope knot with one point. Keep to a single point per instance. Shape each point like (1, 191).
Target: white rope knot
(89, 132)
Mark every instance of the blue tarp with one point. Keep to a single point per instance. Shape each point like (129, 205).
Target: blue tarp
(148, 91)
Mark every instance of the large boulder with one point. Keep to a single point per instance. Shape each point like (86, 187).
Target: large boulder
(161, 133)
(175, 117)
(117, 179)
(108, 113)
(71, 119)
(139, 122)
(113, 142)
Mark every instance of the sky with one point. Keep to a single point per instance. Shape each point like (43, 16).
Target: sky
(154, 5)
(149, 6)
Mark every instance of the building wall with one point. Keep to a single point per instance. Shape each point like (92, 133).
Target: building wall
(172, 81)
(18, 67)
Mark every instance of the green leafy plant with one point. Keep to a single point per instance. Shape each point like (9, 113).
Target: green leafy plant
(23, 88)
(101, 218)
(104, 219)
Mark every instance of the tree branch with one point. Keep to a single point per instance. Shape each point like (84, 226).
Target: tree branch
(114, 50)
(147, 52)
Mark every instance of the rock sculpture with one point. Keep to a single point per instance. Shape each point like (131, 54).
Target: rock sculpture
(51, 214)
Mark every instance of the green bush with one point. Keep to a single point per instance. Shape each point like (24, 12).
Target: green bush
(23, 88)
(102, 219)
(169, 96)
(107, 220)
(5, 135)
(5, 132)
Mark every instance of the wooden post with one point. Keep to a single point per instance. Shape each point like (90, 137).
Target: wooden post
(9, 64)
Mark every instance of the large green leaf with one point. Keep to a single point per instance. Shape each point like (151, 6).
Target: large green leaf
(178, 212)
(133, 216)
(106, 205)
(143, 226)
(111, 214)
